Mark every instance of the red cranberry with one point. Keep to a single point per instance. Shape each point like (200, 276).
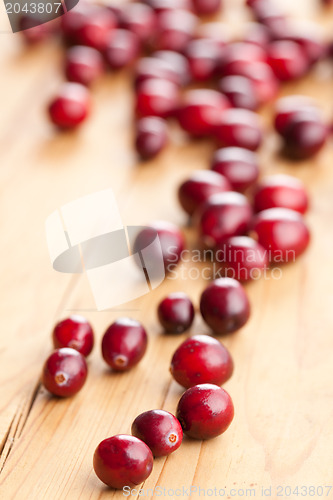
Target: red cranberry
(242, 258)
(240, 128)
(178, 63)
(33, 33)
(240, 91)
(239, 166)
(83, 65)
(308, 38)
(263, 79)
(124, 344)
(305, 136)
(157, 98)
(160, 430)
(151, 136)
(281, 191)
(175, 28)
(171, 240)
(199, 187)
(224, 215)
(139, 19)
(239, 55)
(88, 24)
(287, 107)
(224, 306)
(122, 49)
(201, 110)
(203, 55)
(157, 67)
(65, 372)
(287, 60)
(201, 360)
(269, 14)
(207, 7)
(122, 461)
(282, 232)
(75, 332)
(71, 106)
(257, 34)
(205, 411)
(176, 313)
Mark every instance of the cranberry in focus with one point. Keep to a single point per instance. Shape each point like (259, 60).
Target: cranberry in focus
(281, 191)
(238, 165)
(75, 332)
(64, 372)
(83, 65)
(176, 312)
(71, 106)
(240, 128)
(151, 136)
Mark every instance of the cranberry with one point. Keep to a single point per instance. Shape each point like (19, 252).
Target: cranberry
(122, 461)
(239, 55)
(269, 14)
(203, 55)
(205, 411)
(305, 136)
(224, 215)
(175, 28)
(287, 60)
(151, 136)
(242, 258)
(309, 39)
(263, 79)
(171, 240)
(287, 107)
(157, 98)
(240, 128)
(281, 191)
(83, 65)
(207, 7)
(75, 332)
(239, 166)
(176, 313)
(88, 24)
(199, 187)
(64, 372)
(122, 48)
(158, 67)
(257, 34)
(201, 360)
(139, 19)
(240, 91)
(71, 105)
(160, 430)
(282, 232)
(201, 110)
(178, 63)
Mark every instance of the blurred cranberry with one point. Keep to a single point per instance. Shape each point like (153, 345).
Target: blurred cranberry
(175, 28)
(157, 97)
(151, 136)
(122, 48)
(71, 106)
(287, 60)
(281, 191)
(157, 67)
(200, 111)
(287, 107)
(239, 55)
(203, 56)
(257, 34)
(240, 128)
(83, 65)
(207, 7)
(178, 63)
(240, 92)
(305, 136)
(263, 79)
(308, 36)
(139, 19)
(239, 166)
(34, 32)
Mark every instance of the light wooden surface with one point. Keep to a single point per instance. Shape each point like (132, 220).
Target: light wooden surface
(282, 386)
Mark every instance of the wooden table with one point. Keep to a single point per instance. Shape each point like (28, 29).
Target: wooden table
(282, 386)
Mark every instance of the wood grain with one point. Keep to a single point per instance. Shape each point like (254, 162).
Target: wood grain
(282, 389)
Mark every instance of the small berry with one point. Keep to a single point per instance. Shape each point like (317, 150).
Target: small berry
(282, 191)
(176, 312)
(74, 332)
(238, 165)
(122, 49)
(64, 372)
(240, 128)
(151, 136)
(83, 65)
(157, 97)
(71, 106)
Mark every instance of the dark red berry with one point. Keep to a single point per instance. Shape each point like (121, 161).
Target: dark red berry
(199, 187)
(65, 372)
(160, 430)
(124, 344)
(241, 258)
(75, 332)
(175, 28)
(83, 65)
(287, 60)
(239, 166)
(122, 461)
(176, 312)
(288, 107)
(122, 48)
(282, 232)
(222, 216)
(224, 306)
(151, 136)
(71, 106)
(308, 37)
(201, 110)
(205, 411)
(281, 191)
(201, 360)
(178, 64)
(158, 67)
(239, 55)
(240, 91)
(305, 136)
(207, 7)
(138, 18)
(263, 79)
(240, 128)
(157, 97)
(203, 56)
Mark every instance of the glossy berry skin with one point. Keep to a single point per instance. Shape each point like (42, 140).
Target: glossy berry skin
(203, 56)
(160, 430)
(171, 240)
(201, 111)
(157, 98)
(75, 332)
(205, 411)
(199, 187)
(240, 92)
(238, 165)
(122, 49)
(305, 136)
(124, 344)
(207, 7)
(282, 232)
(176, 312)
(64, 372)
(287, 60)
(222, 216)
(201, 360)
(71, 106)
(138, 18)
(240, 128)
(175, 28)
(122, 461)
(241, 258)
(224, 306)
(281, 191)
(83, 65)
(288, 107)
(151, 136)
